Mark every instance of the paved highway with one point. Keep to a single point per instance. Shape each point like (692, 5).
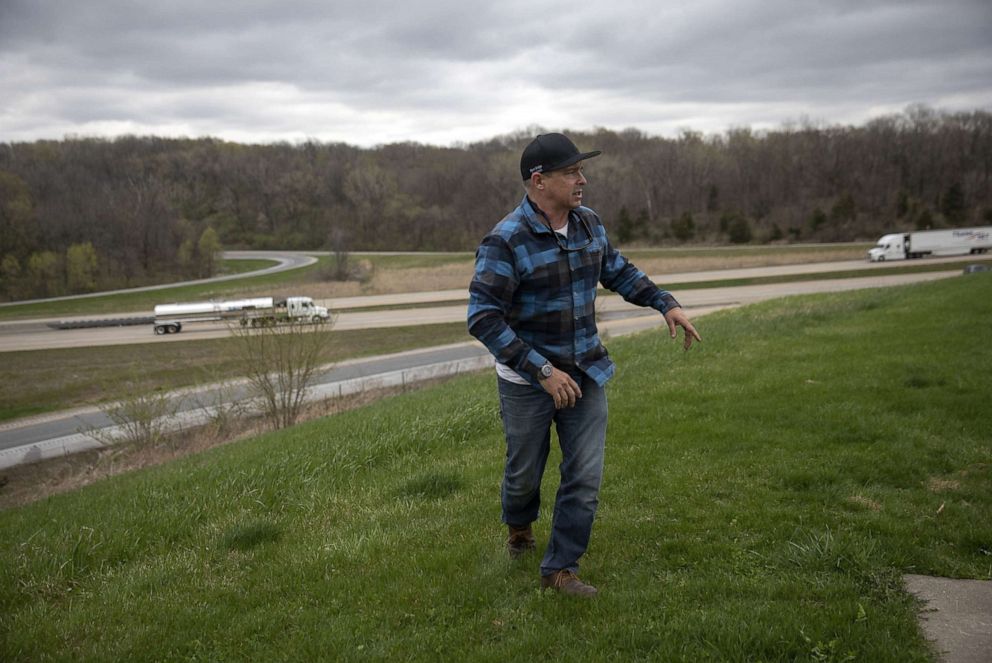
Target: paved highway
(36, 335)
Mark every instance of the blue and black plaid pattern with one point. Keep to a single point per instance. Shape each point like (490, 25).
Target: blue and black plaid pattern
(531, 302)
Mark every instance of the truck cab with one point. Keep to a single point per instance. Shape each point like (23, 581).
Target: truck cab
(889, 247)
(303, 308)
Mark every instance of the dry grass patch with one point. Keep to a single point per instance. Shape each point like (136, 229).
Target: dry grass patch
(938, 485)
(391, 281)
(684, 263)
(413, 279)
(865, 502)
(457, 275)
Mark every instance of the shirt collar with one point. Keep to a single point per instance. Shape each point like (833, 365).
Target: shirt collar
(539, 221)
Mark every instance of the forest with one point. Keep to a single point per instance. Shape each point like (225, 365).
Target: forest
(83, 214)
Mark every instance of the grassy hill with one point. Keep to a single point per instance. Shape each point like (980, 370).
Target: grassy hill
(763, 495)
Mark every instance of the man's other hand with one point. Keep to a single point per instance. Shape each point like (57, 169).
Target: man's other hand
(676, 317)
(562, 388)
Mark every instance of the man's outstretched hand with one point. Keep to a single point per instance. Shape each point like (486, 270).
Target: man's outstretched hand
(676, 317)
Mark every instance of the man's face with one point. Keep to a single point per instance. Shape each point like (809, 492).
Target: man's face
(564, 187)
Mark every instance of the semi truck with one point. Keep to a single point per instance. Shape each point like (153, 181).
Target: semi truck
(957, 241)
(170, 318)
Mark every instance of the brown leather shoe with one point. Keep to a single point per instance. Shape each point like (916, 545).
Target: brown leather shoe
(520, 541)
(567, 582)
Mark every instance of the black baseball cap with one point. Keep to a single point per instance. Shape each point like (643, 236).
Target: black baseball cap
(550, 152)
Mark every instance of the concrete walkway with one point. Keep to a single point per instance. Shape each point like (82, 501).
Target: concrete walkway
(957, 617)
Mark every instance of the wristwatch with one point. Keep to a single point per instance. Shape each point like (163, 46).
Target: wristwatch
(546, 370)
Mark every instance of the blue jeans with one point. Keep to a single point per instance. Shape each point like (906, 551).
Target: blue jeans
(527, 417)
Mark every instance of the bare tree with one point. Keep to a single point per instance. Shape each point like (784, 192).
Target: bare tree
(281, 362)
(143, 418)
(337, 242)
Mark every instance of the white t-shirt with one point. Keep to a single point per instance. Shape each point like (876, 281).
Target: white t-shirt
(505, 371)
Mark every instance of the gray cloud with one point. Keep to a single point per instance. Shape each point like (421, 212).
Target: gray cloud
(449, 71)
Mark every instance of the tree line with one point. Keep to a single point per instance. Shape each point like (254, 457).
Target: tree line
(82, 214)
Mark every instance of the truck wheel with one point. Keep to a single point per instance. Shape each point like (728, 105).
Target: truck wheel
(316, 319)
(159, 329)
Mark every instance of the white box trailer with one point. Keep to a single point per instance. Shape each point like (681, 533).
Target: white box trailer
(170, 318)
(953, 242)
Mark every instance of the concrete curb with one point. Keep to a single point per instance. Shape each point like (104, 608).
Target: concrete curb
(957, 618)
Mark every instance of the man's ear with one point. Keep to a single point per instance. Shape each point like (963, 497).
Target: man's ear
(537, 180)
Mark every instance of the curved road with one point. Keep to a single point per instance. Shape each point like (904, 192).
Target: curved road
(285, 260)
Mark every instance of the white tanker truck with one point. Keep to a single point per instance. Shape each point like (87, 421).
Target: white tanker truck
(170, 318)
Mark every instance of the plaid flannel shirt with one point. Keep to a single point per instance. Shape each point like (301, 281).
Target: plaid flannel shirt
(530, 302)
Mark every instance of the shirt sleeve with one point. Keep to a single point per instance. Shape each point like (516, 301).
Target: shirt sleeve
(622, 277)
(490, 302)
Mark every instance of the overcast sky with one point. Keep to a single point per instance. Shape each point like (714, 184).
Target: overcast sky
(368, 72)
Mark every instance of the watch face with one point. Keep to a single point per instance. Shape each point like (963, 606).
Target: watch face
(546, 371)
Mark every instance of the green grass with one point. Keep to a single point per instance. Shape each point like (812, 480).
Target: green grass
(70, 377)
(144, 302)
(763, 495)
(246, 265)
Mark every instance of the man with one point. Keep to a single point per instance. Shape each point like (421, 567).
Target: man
(532, 303)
